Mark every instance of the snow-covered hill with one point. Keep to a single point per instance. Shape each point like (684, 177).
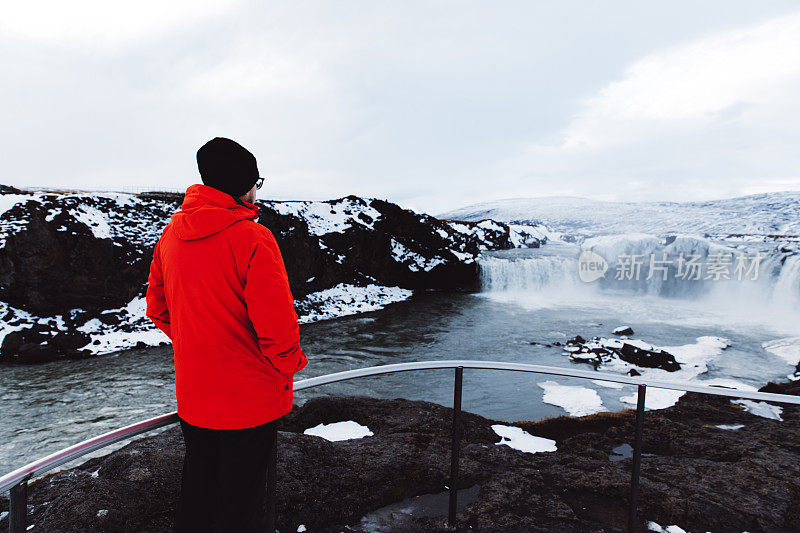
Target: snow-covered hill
(759, 214)
(73, 265)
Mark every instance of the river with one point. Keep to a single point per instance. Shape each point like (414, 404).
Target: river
(529, 297)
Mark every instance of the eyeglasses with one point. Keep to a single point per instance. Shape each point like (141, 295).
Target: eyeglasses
(259, 183)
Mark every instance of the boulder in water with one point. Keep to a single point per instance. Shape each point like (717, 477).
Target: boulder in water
(623, 330)
(36, 344)
(648, 358)
(601, 350)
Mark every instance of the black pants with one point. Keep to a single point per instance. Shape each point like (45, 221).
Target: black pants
(223, 487)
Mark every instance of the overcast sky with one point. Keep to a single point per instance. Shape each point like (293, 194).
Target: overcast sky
(433, 105)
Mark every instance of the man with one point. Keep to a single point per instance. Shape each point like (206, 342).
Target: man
(218, 288)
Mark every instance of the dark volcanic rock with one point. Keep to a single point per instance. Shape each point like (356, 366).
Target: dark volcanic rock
(599, 350)
(648, 358)
(47, 271)
(576, 340)
(38, 344)
(80, 256)
(695, 475)
(623, 330)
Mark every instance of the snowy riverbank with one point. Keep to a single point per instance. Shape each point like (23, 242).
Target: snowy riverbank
(74, 264)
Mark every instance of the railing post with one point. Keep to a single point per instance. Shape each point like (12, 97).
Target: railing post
(451, 515)
(18, 507)
(637, 460)
(272, 480)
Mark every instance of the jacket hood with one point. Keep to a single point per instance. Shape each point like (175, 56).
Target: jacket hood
(206, 211)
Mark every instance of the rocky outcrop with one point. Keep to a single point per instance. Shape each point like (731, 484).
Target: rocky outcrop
(79, 261)
(38, 344)
(600, 350)
(65, 252)
(695, 475)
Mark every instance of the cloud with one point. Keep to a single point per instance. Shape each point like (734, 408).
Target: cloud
(431, 105)
(102, 22)
(715, 116)
(714, 79)
(254, 69)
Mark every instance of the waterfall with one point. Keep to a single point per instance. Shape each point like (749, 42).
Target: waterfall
(554, 269)
(526, 274)
(787, 285)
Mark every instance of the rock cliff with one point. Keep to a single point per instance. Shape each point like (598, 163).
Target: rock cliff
(76, 264)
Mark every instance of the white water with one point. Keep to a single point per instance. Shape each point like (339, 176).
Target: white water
(548, 278)
(787, 285)
(731, 333)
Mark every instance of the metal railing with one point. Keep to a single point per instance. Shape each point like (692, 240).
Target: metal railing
(16, 482)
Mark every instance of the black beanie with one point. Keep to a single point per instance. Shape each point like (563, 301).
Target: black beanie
(227, 166)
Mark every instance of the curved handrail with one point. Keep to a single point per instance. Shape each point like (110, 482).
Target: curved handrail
(49, 462)
(542, 369)
(75, 451)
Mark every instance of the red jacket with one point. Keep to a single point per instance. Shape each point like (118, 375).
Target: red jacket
(219, 289)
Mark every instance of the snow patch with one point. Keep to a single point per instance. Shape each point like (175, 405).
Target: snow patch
(787, 348)
(122, 199)
(466, 257)
(7, 201)
(134, 327)
(337, 431)
(523, 236)
(346, 299)
(490, 225)
(762, 409)
(91, 326)
(694, 359)
(461, 228)
(114, 341)
(413, 260)
(24, 317)
(577, 401)
(93, 218)
(652, 526)
(730, 427)
(330, 217)
(655, 398)
(521, 440)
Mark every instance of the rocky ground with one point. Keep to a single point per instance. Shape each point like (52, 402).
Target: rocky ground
(695, 475)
